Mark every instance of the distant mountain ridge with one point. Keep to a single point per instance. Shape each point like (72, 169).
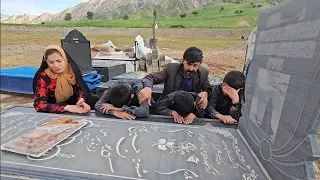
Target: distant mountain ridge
(116, 9)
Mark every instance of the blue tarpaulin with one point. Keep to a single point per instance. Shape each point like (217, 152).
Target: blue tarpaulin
(17, 80)
(92, 79)
(20, 79)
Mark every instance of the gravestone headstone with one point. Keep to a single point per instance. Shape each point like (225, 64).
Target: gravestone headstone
(281, 116)
(156, 90)
(108, 148)
(215, 80)
(78, 47)
(250, 50)
(139, 75)
(108, 69)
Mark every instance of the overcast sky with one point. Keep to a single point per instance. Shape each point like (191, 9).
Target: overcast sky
(36, 7)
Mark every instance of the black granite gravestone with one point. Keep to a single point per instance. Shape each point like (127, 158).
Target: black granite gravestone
(156, 90)
(78, 47)
(281, 115)
(108, 148)
(139, 75)
(250, 49)
(215, 80)
(108, 69)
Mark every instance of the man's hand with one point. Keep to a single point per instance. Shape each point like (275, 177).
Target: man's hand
(75, 109)
(84, 105)
(226, 119)
(145, 94)
(232, 93)
(106, 107)
(177, 118)
(124, 115)
(203, 99)
(188, 119)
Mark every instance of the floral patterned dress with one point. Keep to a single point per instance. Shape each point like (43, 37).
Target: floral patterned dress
(44, 96)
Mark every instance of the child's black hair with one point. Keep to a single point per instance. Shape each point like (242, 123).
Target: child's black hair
(183, 103)
(235, 79)
(120, 95)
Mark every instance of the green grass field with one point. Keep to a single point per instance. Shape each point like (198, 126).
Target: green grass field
(207, 17)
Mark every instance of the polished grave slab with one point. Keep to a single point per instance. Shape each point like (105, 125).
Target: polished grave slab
(120, 149)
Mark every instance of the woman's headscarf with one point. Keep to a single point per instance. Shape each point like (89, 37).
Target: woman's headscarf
(65, 80)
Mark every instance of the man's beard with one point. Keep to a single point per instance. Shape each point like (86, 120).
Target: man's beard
(190, 73)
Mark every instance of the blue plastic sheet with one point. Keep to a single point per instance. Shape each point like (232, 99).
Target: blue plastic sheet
(92, 80)
(17, 80)
(20, 79)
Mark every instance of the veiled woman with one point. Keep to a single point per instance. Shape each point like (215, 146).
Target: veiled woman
(58, 85)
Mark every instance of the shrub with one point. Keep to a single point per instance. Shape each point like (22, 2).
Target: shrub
(183, 15)
(177, 26)
(195, 12)
(126, 17)
(68, 17)
(90, 15)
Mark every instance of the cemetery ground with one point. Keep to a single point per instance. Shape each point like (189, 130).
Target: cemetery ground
(23, 46)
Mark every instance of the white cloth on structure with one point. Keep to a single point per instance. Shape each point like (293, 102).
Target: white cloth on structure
(108, 49)
(142, 51)
(111, 44)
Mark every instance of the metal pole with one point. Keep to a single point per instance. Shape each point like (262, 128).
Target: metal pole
(154, 29)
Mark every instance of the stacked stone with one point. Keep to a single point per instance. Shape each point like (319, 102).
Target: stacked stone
(154, 62)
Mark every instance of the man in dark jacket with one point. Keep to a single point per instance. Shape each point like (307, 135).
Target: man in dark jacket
(188, 76)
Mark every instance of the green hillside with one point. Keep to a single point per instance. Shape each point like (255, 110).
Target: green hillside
(207, 17)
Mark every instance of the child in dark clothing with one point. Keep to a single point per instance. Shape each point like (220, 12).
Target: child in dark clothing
(181, 105)
(121, 101)
(225, 101)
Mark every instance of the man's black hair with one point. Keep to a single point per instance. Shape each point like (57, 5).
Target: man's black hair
(120, 95)
(235, 79)
(193, 55)
(183, 103)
